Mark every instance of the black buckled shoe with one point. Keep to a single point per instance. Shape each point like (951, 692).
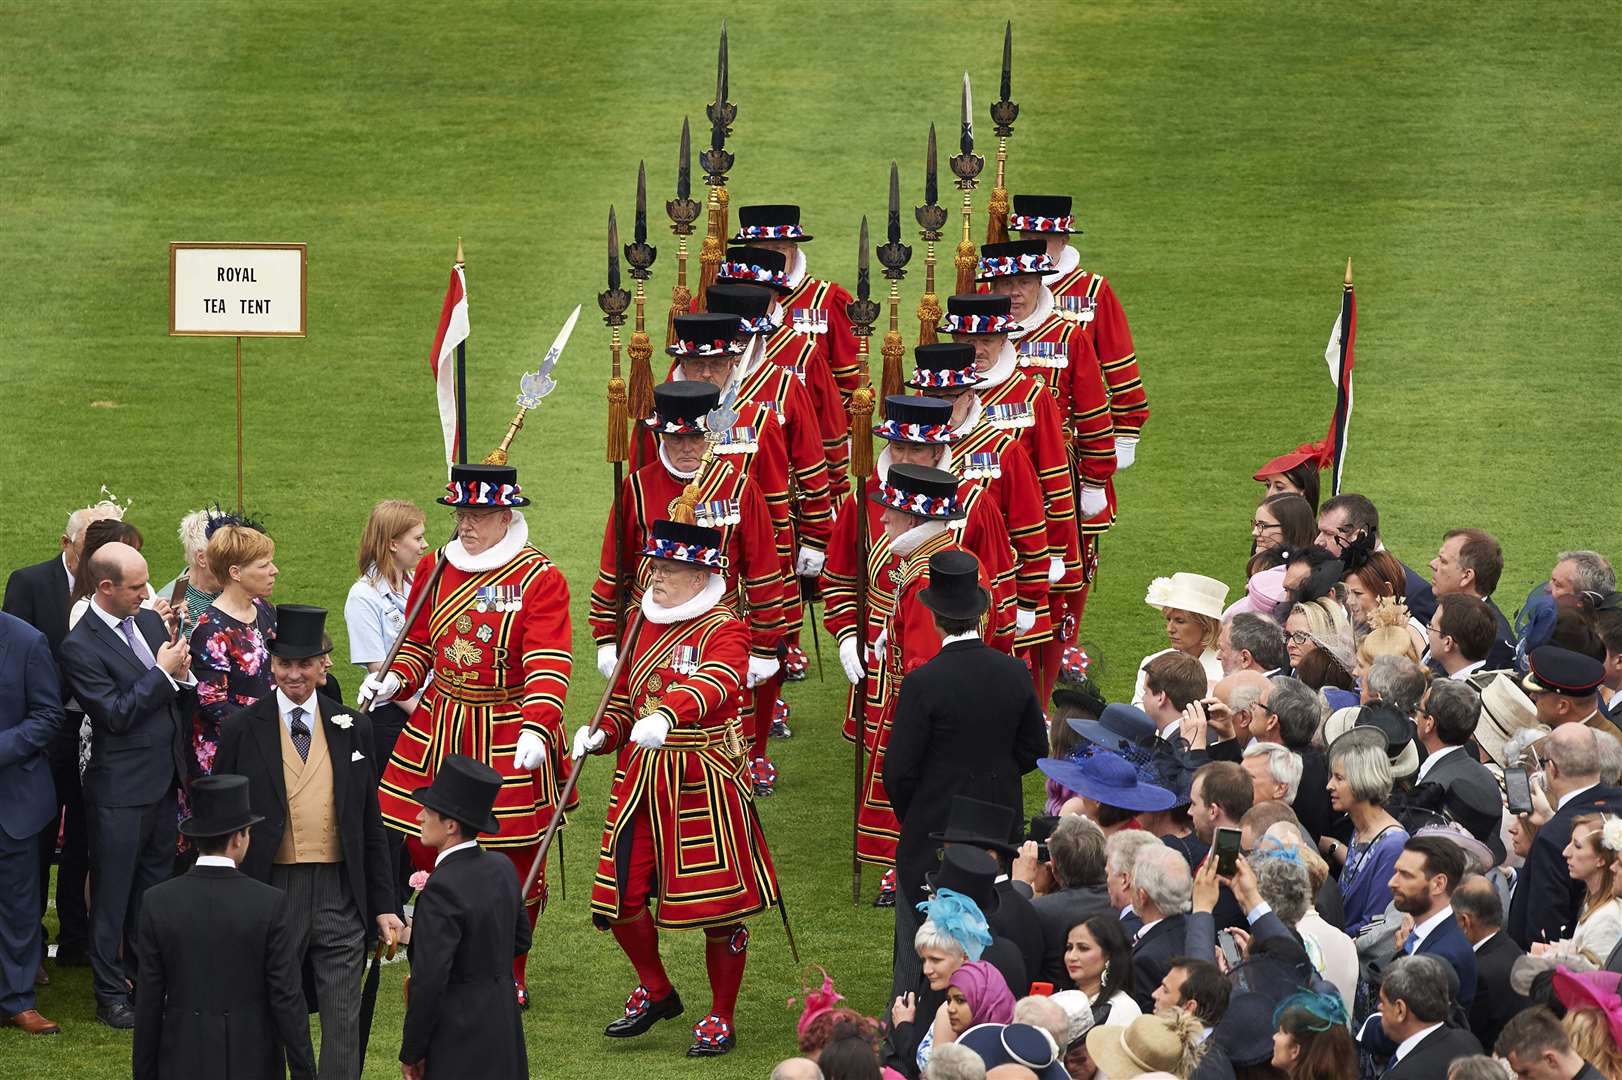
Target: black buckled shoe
(712, 1037)
(642, 1012)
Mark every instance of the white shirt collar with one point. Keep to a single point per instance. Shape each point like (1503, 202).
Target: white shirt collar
(1144, 929)
(285, 706)
(454, 847)
(1570, 795)
(215, 860)
(1423, 930)
(1069, 259)
(71, 577)
(1433, 758)
(1127, 910)
(1468, 670)
(972, 635)
(1477, 946)
(1406, 1045)
(113, 621)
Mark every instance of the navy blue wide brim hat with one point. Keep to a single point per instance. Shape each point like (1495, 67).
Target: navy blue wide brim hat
(1118, 723)
(1042, 214)
(1108, 779)
(1016, 1044)
(492, 487)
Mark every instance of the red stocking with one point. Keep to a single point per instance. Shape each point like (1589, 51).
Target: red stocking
(766, 695)
(724, 955)
(640, 940)
(522, 858)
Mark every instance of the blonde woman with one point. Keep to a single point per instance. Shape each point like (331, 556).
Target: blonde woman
(228, 644)
(1318, 637)
(391, 546)
(1591, 856)
(1192, 606)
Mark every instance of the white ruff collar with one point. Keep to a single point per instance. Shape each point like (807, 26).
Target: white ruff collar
(998, 373)
(1038, 315)
(1069, 259)
(796, 268)
(882, 464)
(490, 558)
(671, 469)
(971, 420)
(707, 597)
(909, 541)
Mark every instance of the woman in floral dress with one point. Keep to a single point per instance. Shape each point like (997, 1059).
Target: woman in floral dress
(228, 653)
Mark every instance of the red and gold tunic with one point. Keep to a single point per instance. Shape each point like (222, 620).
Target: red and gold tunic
(1020, 406)
(801, 346)
(497, 642)
(1087, 299)
(822, 308)
(911, 640)
(712, 867)
(730, 502)
(840, 613)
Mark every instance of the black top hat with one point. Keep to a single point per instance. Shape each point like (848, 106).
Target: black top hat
(946, 365)
(219, 806)
(463, 790)
(299, 630)
(750, 303)
(920, 490)
(706, 333)
(1397, 728)
(769, 221)
(692, 544)
(756, 266)
(1042, 214)
(492, 486)
(954, 590)
(979, 824)
(679, 407)
(978, 313)
(970, 871)
(916, 420)
(1562, 671)
(1013, 258)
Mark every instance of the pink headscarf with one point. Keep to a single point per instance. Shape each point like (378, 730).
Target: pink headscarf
(986, 992)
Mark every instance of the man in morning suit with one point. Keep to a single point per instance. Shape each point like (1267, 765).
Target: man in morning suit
(219, 994)
(30, 716)
(310, 769)
(136, 686)
(38, 595)
(1481, 916)
(1413, 1014)
(966, 722)
(1544, 904)
(1162, 892)
(461, 1016)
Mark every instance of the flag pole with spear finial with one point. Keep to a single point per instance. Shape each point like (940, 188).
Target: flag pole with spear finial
(931, 219)
(966, 167)
(1003, 114)
(613, 302)
(640, 254)
(863, 312)
(461, 377)
(715, 162)
(895, 256)
(683, 211)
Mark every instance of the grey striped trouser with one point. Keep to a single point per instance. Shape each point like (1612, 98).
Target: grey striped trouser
(326, 927)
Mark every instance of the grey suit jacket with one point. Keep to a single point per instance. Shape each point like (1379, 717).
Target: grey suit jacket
(1614, 961)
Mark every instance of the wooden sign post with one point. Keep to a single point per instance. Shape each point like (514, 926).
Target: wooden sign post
(237, 290)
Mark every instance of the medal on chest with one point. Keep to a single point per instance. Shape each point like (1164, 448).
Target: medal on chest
(1077, 309)
(809, 320)
(1043, 354)
(684, 659)
(500, 598)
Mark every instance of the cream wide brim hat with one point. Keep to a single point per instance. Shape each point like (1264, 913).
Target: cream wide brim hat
(1188, 592)
(1505, 709)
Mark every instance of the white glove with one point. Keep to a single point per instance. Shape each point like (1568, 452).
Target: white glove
(1024, 621)
(808, 563)
(378, 689)
(761, 668)
(1055, 570)
(1093, 501)
(1126, 451)
(530, 753)
(650, 731)
(850, 658)
(586, 740)
(607, 657)
(879, 643)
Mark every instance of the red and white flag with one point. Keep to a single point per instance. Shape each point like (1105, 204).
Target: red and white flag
(453, 329)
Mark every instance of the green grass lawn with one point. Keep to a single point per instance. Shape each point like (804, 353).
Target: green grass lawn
(1226, 158)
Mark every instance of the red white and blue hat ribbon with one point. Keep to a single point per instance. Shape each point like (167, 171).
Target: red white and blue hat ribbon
(1041, 223)
(718, 347)
(978, 324)
(760, 275)
(676, 551)
(896, 431)
(933, 378)
(482, 493)
(770, 232)
(1009, 265)
(677, 425)
(916, 502)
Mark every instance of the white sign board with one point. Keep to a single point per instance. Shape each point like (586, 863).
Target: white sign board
(237, 290)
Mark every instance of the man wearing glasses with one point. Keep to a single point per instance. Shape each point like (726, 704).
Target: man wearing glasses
(495, 634)
(1347, 517)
